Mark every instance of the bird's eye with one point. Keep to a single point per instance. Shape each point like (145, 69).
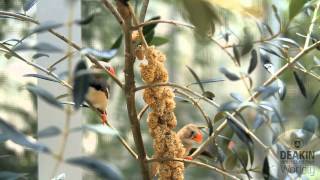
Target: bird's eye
(193, 133)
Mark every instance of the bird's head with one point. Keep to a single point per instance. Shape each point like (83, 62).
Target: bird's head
(108, 66)
(190, 133)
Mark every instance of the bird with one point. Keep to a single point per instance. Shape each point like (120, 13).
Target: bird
(188, 134)
(98, 92)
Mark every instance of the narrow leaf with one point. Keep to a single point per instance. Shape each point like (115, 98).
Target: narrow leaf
(237, 97)
(40, 77)
(41, 47)
(45, 95)
(99, 128)
(314, 100)
(295, 6)
(49, 132)
(197, 78)
(158, 41)
(106, 171)
(266, 169)
(236, 54)
(86, 20)
(253, 61)
(45, 26)
(147, 29)
(108, 54)
(39, 55)
(229, 106)
(28, 5)
(7, 175)
(310, 124)
(243, 136)
(207, 81)
(300, 84)
(20, 138)
(81, 84)
(229, 75)
(209, 95)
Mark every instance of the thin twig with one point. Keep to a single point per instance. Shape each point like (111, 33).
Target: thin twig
(115, 13)
(65, 84)
(142, 111)
(198, 164)
(68, 109)
(129, 87)
(143, 11)
(313, 21)
(177, 23)
(231, 116)
(63, 38)
(196, 104)
(51, 67)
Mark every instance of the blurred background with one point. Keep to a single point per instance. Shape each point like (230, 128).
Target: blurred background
(184, 48)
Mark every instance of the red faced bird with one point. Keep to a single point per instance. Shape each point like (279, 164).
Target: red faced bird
(98, 93)
(188, 134)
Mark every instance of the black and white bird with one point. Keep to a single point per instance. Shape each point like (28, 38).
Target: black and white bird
(98, 92)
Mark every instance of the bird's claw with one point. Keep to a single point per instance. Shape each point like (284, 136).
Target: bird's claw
(188, 158)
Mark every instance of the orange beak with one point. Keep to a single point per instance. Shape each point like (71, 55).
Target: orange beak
(111, 70)
(198, 138)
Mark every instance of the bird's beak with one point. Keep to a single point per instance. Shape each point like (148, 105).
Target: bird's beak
(198, 138)
(111, 70)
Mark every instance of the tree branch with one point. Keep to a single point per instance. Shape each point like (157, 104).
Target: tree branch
(115, 13)
(67, 85)
(198, 164)
(177, 23)
(143, 11)
(130, 94)
(143, 110)
(63, 38)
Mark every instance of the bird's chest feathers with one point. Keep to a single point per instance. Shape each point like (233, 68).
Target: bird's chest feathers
(97, 98)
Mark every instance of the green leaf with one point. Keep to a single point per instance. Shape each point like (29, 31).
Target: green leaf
(295, 7)
(45, 95)
(314, 100)
(236, 54)
(41, 77)
(81, 84)
(106, 171)
(266, 169)
(45, 26)
(230, 162)
(229, 106)
(247, 42)
(253, 61)
(41, 47)
(310, 124)
(158, 41)
(39, 55)
(7, 175)
(20, 138)
(209, 95)
(194, 74)
(243, 136)
(231, 76)
(86, 20)
(28, 5)
(300, 84)
(106, 54)
(117, 43)
(100, 128)
(148, 28)
(49, 132)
